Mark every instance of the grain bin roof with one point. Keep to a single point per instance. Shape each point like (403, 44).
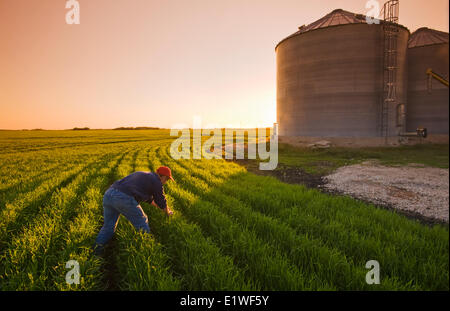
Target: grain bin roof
(335, 18)
(426, 36)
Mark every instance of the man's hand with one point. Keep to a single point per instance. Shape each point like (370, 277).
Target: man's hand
(168, 211)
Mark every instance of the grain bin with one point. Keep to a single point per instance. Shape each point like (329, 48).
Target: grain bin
(427, 104)
(330, 78)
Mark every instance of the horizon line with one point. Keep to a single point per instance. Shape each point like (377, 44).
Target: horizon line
(138, 128)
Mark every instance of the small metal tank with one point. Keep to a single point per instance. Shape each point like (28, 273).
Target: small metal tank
(427, 99)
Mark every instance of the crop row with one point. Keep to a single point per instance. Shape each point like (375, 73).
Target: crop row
(142, 263)
(232, 230)
(410, 254)
(35, 256)
(194, 259)
(259, 241)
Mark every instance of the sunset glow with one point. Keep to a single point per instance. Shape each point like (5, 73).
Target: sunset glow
(155, 63)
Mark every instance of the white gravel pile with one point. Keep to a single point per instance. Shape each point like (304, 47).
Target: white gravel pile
(422, 190)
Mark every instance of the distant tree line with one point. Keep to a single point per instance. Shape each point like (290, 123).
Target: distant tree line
(87, 128)
(137, 128)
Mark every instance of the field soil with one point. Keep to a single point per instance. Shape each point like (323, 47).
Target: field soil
(285, 173)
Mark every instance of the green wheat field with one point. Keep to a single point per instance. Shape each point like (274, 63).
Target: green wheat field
(231, 229)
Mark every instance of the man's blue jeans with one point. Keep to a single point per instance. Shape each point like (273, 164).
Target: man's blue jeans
(115, 203)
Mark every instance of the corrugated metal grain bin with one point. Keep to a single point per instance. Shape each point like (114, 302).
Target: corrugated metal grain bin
(330, 78)
(427, 104)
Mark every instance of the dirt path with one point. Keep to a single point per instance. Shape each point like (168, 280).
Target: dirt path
(415, 191)
(412, 189)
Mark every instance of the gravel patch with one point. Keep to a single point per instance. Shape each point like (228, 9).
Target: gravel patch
(412, 189)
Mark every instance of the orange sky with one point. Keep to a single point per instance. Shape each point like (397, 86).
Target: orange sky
(156, 63)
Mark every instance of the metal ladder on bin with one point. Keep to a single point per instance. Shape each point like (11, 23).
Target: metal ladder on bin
(390, 30)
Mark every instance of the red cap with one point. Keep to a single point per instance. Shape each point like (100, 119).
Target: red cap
(165, 171)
